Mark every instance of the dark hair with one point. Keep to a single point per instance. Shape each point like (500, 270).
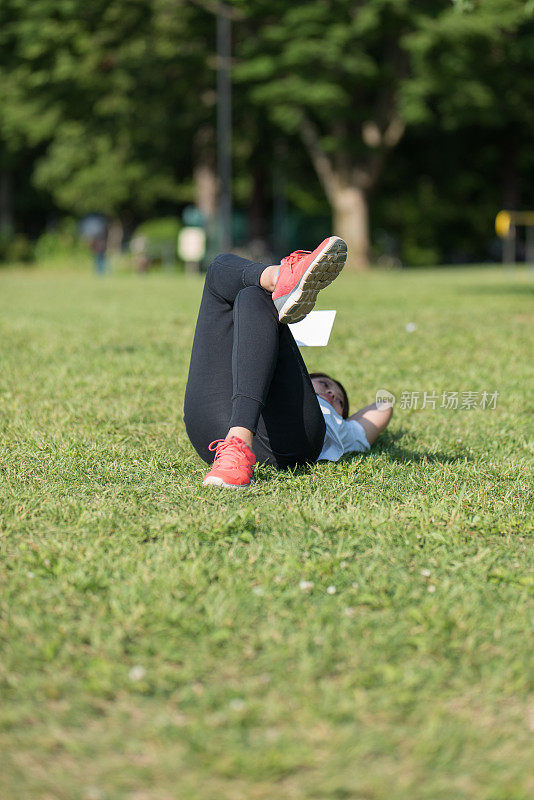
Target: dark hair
(345, 411)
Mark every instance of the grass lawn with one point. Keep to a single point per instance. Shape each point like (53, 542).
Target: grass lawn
(352, 631)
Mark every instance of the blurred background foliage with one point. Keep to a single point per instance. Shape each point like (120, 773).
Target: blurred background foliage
(402, 125)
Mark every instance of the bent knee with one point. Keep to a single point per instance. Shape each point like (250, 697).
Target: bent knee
(216, 263)
(254, 297)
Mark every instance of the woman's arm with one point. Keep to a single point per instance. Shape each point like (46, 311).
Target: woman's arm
(373, 420)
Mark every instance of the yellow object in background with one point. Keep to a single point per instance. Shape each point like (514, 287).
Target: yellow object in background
(502, 224)
(505, 219)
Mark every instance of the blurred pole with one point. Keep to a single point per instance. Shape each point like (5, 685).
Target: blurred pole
(6, 205)
(529, 254)
(280, 207)
(224, 126)
(508, 247)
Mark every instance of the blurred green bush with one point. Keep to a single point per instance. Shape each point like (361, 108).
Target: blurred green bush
(154, 243)
(61, 246)
(15, 249)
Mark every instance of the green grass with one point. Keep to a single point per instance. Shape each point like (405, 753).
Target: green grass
(156, 643)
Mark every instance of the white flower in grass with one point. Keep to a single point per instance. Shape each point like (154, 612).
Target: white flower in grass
(425, 573)
(306, 585)
(137, 673)
(30, 574)
(431, 588)
(331, 590)
(258, 591)
(349, 611)
(411, 327)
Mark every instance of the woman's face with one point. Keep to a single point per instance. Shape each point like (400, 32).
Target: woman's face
(329, 391)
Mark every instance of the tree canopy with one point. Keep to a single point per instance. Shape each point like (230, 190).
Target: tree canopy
(109, 106)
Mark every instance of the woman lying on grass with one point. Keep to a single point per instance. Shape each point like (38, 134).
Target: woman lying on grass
(247, 380)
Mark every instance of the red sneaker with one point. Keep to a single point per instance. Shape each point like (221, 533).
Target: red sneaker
(233, 464)
(303, 274)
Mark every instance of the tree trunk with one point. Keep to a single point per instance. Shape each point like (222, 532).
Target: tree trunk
(205, 189)
(6, 204)
(348, 199)
(348, 189)
(257, 203)
(205, 173)
(351, 221)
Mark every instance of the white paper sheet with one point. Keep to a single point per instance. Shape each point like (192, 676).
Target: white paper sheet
(314, 330)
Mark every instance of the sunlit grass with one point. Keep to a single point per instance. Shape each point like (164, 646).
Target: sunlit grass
(352, 630)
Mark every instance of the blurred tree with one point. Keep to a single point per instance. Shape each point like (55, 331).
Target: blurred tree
(333, 72)
(477, 66)
(9, 146)
(349, 77)
(115, 88)
(111, 106)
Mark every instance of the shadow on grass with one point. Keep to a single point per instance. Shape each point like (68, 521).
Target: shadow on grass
(266, 473)
(386, 445)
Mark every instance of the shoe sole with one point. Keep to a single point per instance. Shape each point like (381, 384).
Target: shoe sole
(213, 481)
(325, 267)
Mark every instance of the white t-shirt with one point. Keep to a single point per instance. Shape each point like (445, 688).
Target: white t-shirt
(342, 435)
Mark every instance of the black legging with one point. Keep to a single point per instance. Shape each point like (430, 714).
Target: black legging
(246, 370)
